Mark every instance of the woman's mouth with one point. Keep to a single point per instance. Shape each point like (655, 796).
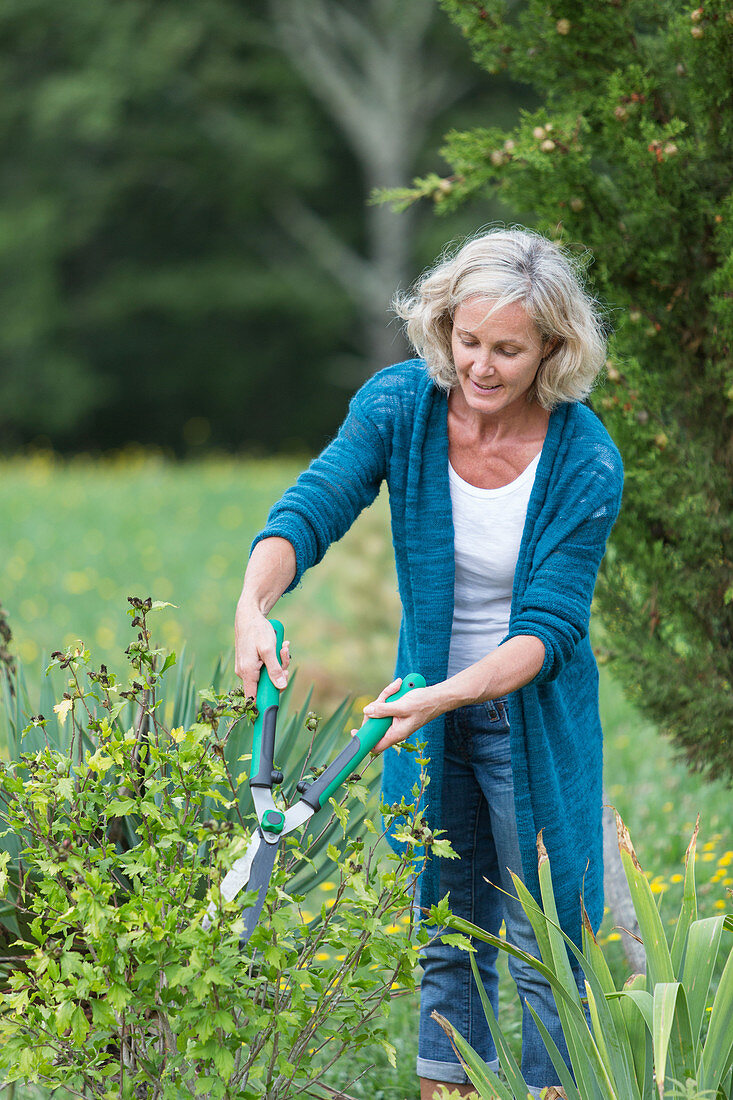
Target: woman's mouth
(485, 387)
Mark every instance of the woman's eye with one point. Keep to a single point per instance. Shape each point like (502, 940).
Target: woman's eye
(507, 353)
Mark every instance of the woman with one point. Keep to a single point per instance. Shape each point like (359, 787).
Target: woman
(503, 490)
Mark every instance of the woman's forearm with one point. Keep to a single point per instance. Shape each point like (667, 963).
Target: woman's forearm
(270, 570)
(502, 671)
(505, 669)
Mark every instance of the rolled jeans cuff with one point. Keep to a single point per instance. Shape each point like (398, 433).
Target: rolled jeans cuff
(452, 1073)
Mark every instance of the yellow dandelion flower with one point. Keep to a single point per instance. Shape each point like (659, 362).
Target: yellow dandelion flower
(726, 859)
(676, 878)
(613, 936)
(721, 904)
(328, 886)
(658, 887)
(707, 857)
(392, 928)
(322, 956)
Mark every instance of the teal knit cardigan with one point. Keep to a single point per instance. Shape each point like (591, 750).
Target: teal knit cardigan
(396, 429)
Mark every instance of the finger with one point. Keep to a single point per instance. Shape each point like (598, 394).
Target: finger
(275, 671)
(285, 654)
(391, 737)
(248, 673)
(250, 680)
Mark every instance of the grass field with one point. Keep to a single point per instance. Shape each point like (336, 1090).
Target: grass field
(78, 537)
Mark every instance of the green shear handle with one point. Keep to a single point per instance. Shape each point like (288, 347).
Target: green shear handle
(268, 702)
(361, 745)
(263, 741)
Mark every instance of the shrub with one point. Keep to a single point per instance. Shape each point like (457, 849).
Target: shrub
(115, 989)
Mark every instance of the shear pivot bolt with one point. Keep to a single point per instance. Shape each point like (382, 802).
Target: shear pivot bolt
(273, 821)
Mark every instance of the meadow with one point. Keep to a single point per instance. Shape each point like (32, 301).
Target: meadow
(78, 537)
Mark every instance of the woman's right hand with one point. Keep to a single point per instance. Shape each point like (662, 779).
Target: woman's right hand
(255, 646)
(270, 569)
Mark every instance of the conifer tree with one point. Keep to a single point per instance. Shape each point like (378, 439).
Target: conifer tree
(628, 158)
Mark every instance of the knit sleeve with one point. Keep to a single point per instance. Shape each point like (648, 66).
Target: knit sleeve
(326, 499)
(554, 605)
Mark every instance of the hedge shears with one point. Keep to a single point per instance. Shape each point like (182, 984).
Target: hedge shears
(254, 869)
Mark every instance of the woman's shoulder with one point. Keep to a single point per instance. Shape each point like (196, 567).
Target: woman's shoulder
(585, 457)
(588, 435)
(399, 386)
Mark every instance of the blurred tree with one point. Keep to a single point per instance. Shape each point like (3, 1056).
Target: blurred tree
(630, 156)
(384, 72)
(140, 271)
(162, 157)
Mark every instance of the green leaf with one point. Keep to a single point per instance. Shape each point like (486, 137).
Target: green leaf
(718, 1050)
(119, 996)
(701, 953)
(64, 1014)
(659, 960)
(688, 912)
(224, 1062)
(79, 1025)
(484, 1078)
(455, 939)
(506, 1058)
(561, 1069)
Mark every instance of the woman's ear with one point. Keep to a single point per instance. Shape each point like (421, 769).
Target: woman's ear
(552, 343)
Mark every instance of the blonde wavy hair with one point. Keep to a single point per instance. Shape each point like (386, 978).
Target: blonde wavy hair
(505, 266)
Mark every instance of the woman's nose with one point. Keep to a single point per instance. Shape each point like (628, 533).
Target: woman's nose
(483, 362)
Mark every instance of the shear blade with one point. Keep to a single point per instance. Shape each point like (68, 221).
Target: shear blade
(236, 878)
(259, 880)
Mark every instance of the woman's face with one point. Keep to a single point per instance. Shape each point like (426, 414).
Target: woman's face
(496, 357)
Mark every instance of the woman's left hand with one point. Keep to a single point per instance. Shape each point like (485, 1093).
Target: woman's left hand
(415, 709)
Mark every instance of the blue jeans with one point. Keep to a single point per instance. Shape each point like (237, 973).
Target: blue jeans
(479, 819)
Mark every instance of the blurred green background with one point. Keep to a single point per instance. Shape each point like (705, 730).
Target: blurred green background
(188, 256)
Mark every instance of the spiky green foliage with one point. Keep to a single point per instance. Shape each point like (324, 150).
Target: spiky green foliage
(666, 1033)
(629, 156)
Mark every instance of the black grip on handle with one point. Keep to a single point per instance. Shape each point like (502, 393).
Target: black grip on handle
(318, 788)
(267, 749)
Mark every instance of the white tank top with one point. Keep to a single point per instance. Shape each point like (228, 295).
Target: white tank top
(488, 526)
